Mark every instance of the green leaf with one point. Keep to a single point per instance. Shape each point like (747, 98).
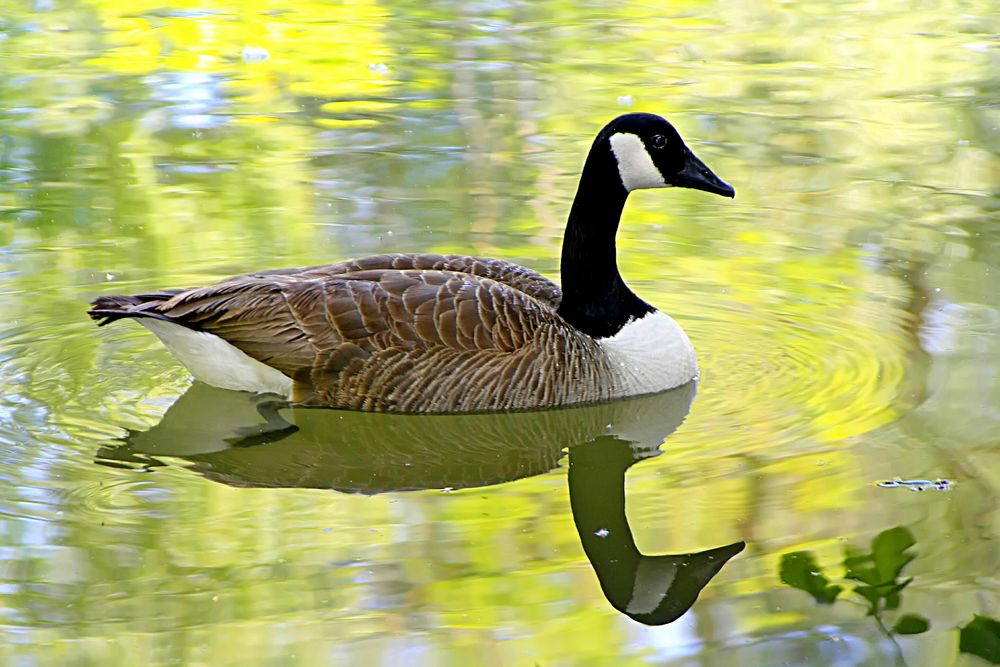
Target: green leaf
(871, 594)
(858, 566)
(892, 594)
(981, 636)
(884, 563)
(887, 551)
(911, 624)
(800, 570)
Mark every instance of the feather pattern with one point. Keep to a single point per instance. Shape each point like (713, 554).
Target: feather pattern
(410, 333)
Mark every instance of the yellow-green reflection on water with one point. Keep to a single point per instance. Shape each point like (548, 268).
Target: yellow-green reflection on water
(844, 307)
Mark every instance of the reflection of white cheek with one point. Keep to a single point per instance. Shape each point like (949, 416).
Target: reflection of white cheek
(634, 163)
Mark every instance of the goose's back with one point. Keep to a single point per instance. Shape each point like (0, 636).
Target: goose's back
(520, 278)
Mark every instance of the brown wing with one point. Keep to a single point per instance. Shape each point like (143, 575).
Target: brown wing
(383, 338)
(423, 333)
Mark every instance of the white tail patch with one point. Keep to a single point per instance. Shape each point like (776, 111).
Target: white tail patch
(649, 355)
(634, 163)
(214, 361)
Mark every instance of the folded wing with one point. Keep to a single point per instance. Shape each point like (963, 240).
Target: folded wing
(452, 331)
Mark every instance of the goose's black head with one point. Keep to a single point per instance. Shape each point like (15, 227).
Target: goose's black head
(637, 150)
(651, 154)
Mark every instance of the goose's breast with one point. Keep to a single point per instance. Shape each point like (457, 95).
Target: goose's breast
(649, 355)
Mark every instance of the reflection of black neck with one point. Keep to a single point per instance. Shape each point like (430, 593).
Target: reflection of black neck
(595, 299)
(650, 589)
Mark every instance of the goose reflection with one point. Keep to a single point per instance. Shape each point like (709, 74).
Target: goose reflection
(252, 441)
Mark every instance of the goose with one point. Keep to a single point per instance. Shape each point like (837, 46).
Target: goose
(428, 333)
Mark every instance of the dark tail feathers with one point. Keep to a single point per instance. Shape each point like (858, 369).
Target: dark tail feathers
(107, 309)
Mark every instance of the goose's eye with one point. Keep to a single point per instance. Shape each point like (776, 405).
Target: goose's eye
(658, 141)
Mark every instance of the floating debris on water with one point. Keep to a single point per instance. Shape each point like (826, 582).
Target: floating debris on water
(916, 484)
(255, 54)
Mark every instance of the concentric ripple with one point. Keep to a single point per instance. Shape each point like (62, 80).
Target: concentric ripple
(785, 368)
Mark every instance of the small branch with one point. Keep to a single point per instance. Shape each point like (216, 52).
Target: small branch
(900, 658)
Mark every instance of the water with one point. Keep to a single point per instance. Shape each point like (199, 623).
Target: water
(844, 307)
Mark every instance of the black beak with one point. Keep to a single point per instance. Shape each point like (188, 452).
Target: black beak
(699, 177)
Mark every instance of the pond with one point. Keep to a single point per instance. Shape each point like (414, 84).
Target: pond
(826, 495)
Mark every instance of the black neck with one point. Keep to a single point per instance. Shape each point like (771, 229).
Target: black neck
(595, 299)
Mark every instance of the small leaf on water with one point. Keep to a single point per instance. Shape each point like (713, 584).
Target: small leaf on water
(857, 565)
(911, 624)
(981, 636)
(800, 570)
(891, 593)
(871, 594)
(887, 551)
(886, 560)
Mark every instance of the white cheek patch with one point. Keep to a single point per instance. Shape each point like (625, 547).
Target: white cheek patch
(634, 163)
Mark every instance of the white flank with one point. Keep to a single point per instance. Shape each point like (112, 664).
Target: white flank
(634, 163)
(214, 361)
(650, 354)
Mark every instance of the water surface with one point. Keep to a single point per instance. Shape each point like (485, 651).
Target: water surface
(845, 310)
